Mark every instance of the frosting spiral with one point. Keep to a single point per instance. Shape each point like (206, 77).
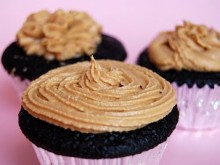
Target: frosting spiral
(190, 47)
(60, 35)
(99, 96)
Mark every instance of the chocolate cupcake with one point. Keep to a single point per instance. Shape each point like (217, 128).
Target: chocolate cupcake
(50, 40)
(189, 58)
(99, 112)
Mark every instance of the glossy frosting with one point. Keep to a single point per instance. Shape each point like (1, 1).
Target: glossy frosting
(100, 96)
(190, 47)
(60, 35)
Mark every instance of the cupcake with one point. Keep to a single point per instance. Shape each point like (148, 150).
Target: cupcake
(189, 58)
(50, 40)
(102, 112)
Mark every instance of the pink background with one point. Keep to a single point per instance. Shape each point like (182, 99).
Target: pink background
(135, 23)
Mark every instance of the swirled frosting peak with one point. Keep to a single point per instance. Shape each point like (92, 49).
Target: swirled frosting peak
(190, 47)
(60, 35)
(99, 96)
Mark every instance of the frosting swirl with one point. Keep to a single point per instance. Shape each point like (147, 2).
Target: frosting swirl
(190, 47)
(60, 35)
(101, 96)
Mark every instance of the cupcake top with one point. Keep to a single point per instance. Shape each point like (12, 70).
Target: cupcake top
(190, 47)
(99, 96)
(60, 35)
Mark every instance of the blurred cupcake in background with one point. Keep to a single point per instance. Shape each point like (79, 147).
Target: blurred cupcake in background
(189, 57)
(50, 40)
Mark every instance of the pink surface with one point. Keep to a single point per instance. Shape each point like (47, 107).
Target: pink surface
(135, 24)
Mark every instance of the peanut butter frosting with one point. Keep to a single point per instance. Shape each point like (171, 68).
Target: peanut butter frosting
(190, 47)
(60, 35)
(99, 96)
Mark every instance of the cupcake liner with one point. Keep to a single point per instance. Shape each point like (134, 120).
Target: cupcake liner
(199, 107)
(19, 85)
(150, 157)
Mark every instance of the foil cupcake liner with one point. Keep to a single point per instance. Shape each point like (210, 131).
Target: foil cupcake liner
(199, 107)
(150, 157)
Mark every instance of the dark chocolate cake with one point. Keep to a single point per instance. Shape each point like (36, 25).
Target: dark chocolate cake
(101, 145)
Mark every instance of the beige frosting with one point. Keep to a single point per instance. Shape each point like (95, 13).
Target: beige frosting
(100, 96)
(60, 35)
(190, 47)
